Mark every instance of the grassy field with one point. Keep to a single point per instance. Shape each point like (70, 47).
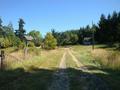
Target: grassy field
(74, 73)
(103, 62)
(83, 54)
(37, 70)
(33, 74)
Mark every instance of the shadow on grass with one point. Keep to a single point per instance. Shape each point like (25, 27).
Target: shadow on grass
(41, 79)
(19, 79)
(112, 78)
(80, 80)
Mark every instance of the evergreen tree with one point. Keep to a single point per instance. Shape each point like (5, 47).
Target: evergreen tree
(1, 28)
(0, 22)
(108, 29)
(20, 32)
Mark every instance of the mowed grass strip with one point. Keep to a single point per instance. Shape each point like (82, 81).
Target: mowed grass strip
(33, 74)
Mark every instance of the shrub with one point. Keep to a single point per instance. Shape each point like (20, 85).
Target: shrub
(17, 42)
(31, 44)
(4, 42)
(21, 45)
(50, 42)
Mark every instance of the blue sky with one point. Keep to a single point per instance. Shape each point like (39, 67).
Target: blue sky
(43, 15)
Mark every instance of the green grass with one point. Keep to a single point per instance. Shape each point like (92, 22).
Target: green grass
(83, 54)
(69, 62)
(73, 73)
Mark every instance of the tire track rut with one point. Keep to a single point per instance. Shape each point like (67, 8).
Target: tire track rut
(60, 77)
(92, 81)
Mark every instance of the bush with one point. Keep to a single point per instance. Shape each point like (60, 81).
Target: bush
(21, 45)
(17, 42)
(4, 42)
(50, 42)
(31, 44)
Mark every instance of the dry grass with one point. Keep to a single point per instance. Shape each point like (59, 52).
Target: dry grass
(46, 59)
(18, 56)
(107, 59)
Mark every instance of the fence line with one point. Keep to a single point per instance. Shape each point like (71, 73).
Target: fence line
(7, 59)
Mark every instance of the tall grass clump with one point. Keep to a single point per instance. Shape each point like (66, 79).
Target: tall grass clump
(107, 59)
(15, 56)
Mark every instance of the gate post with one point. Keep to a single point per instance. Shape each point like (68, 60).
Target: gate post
(2, 59)
(25, 52)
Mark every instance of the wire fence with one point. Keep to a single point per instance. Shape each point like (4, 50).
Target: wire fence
(7, 59)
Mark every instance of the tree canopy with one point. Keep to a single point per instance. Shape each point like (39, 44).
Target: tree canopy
(37, 37)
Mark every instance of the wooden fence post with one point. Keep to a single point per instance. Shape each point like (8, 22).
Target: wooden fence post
(2, 59)
(25, 53)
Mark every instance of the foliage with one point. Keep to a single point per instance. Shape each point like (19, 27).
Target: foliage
(0, 22)
(21, 45)
(7, 36)
(4, 42)
(20, 32)
(37, 37)
(31, 44)
(72, 37)
(50, 42)
(108, 29)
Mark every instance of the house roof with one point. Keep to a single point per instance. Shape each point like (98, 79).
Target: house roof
(87, 38)
(29, 38)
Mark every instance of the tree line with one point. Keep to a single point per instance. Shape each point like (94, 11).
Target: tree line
(10, 37)
(106, 31)
(16, 38)
(72, 37)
